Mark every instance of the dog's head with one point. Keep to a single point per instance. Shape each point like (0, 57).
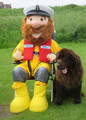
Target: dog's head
(66, 59)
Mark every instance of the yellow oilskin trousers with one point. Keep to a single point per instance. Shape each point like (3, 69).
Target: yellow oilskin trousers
(21, 101)
(39, 102)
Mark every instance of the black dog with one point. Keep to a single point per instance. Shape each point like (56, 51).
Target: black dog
(69, 74)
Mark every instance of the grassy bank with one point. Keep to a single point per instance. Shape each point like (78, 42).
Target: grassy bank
(69, 22)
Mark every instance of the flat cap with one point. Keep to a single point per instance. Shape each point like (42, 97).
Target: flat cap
(38, 10)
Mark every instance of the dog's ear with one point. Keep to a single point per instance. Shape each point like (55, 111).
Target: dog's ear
(57, 54)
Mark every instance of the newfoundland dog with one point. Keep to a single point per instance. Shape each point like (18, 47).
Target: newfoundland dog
(68, 78)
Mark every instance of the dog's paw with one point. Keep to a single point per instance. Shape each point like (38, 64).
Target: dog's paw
(77, 101)
(58, 102)
(82, 94)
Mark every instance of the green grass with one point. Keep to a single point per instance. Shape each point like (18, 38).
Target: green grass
(70, 23)
(68, 111)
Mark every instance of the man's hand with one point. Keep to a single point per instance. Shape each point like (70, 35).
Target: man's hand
(51, 57)
(18, 54)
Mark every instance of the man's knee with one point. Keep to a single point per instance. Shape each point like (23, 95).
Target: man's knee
(42, 74)
(19, 74)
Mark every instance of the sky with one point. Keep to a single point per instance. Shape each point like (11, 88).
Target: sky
(25, 3)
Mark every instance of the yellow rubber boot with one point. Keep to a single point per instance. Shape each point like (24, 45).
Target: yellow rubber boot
(22, 100)
(39, 102)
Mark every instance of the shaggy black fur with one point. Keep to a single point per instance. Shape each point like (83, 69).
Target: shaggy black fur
(69, 74)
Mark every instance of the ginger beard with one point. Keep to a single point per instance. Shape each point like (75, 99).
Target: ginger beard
(45, 30)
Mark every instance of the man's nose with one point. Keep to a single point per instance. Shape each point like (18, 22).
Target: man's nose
(35, 24)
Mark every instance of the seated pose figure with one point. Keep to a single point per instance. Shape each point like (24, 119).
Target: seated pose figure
(36, 51)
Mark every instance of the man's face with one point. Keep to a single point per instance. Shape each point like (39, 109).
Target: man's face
(36, 22)
(37, 29)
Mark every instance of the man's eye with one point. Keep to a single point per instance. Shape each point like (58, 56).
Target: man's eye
(30, 19)
(41, 19)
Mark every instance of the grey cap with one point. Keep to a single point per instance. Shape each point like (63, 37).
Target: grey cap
(38, 10)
